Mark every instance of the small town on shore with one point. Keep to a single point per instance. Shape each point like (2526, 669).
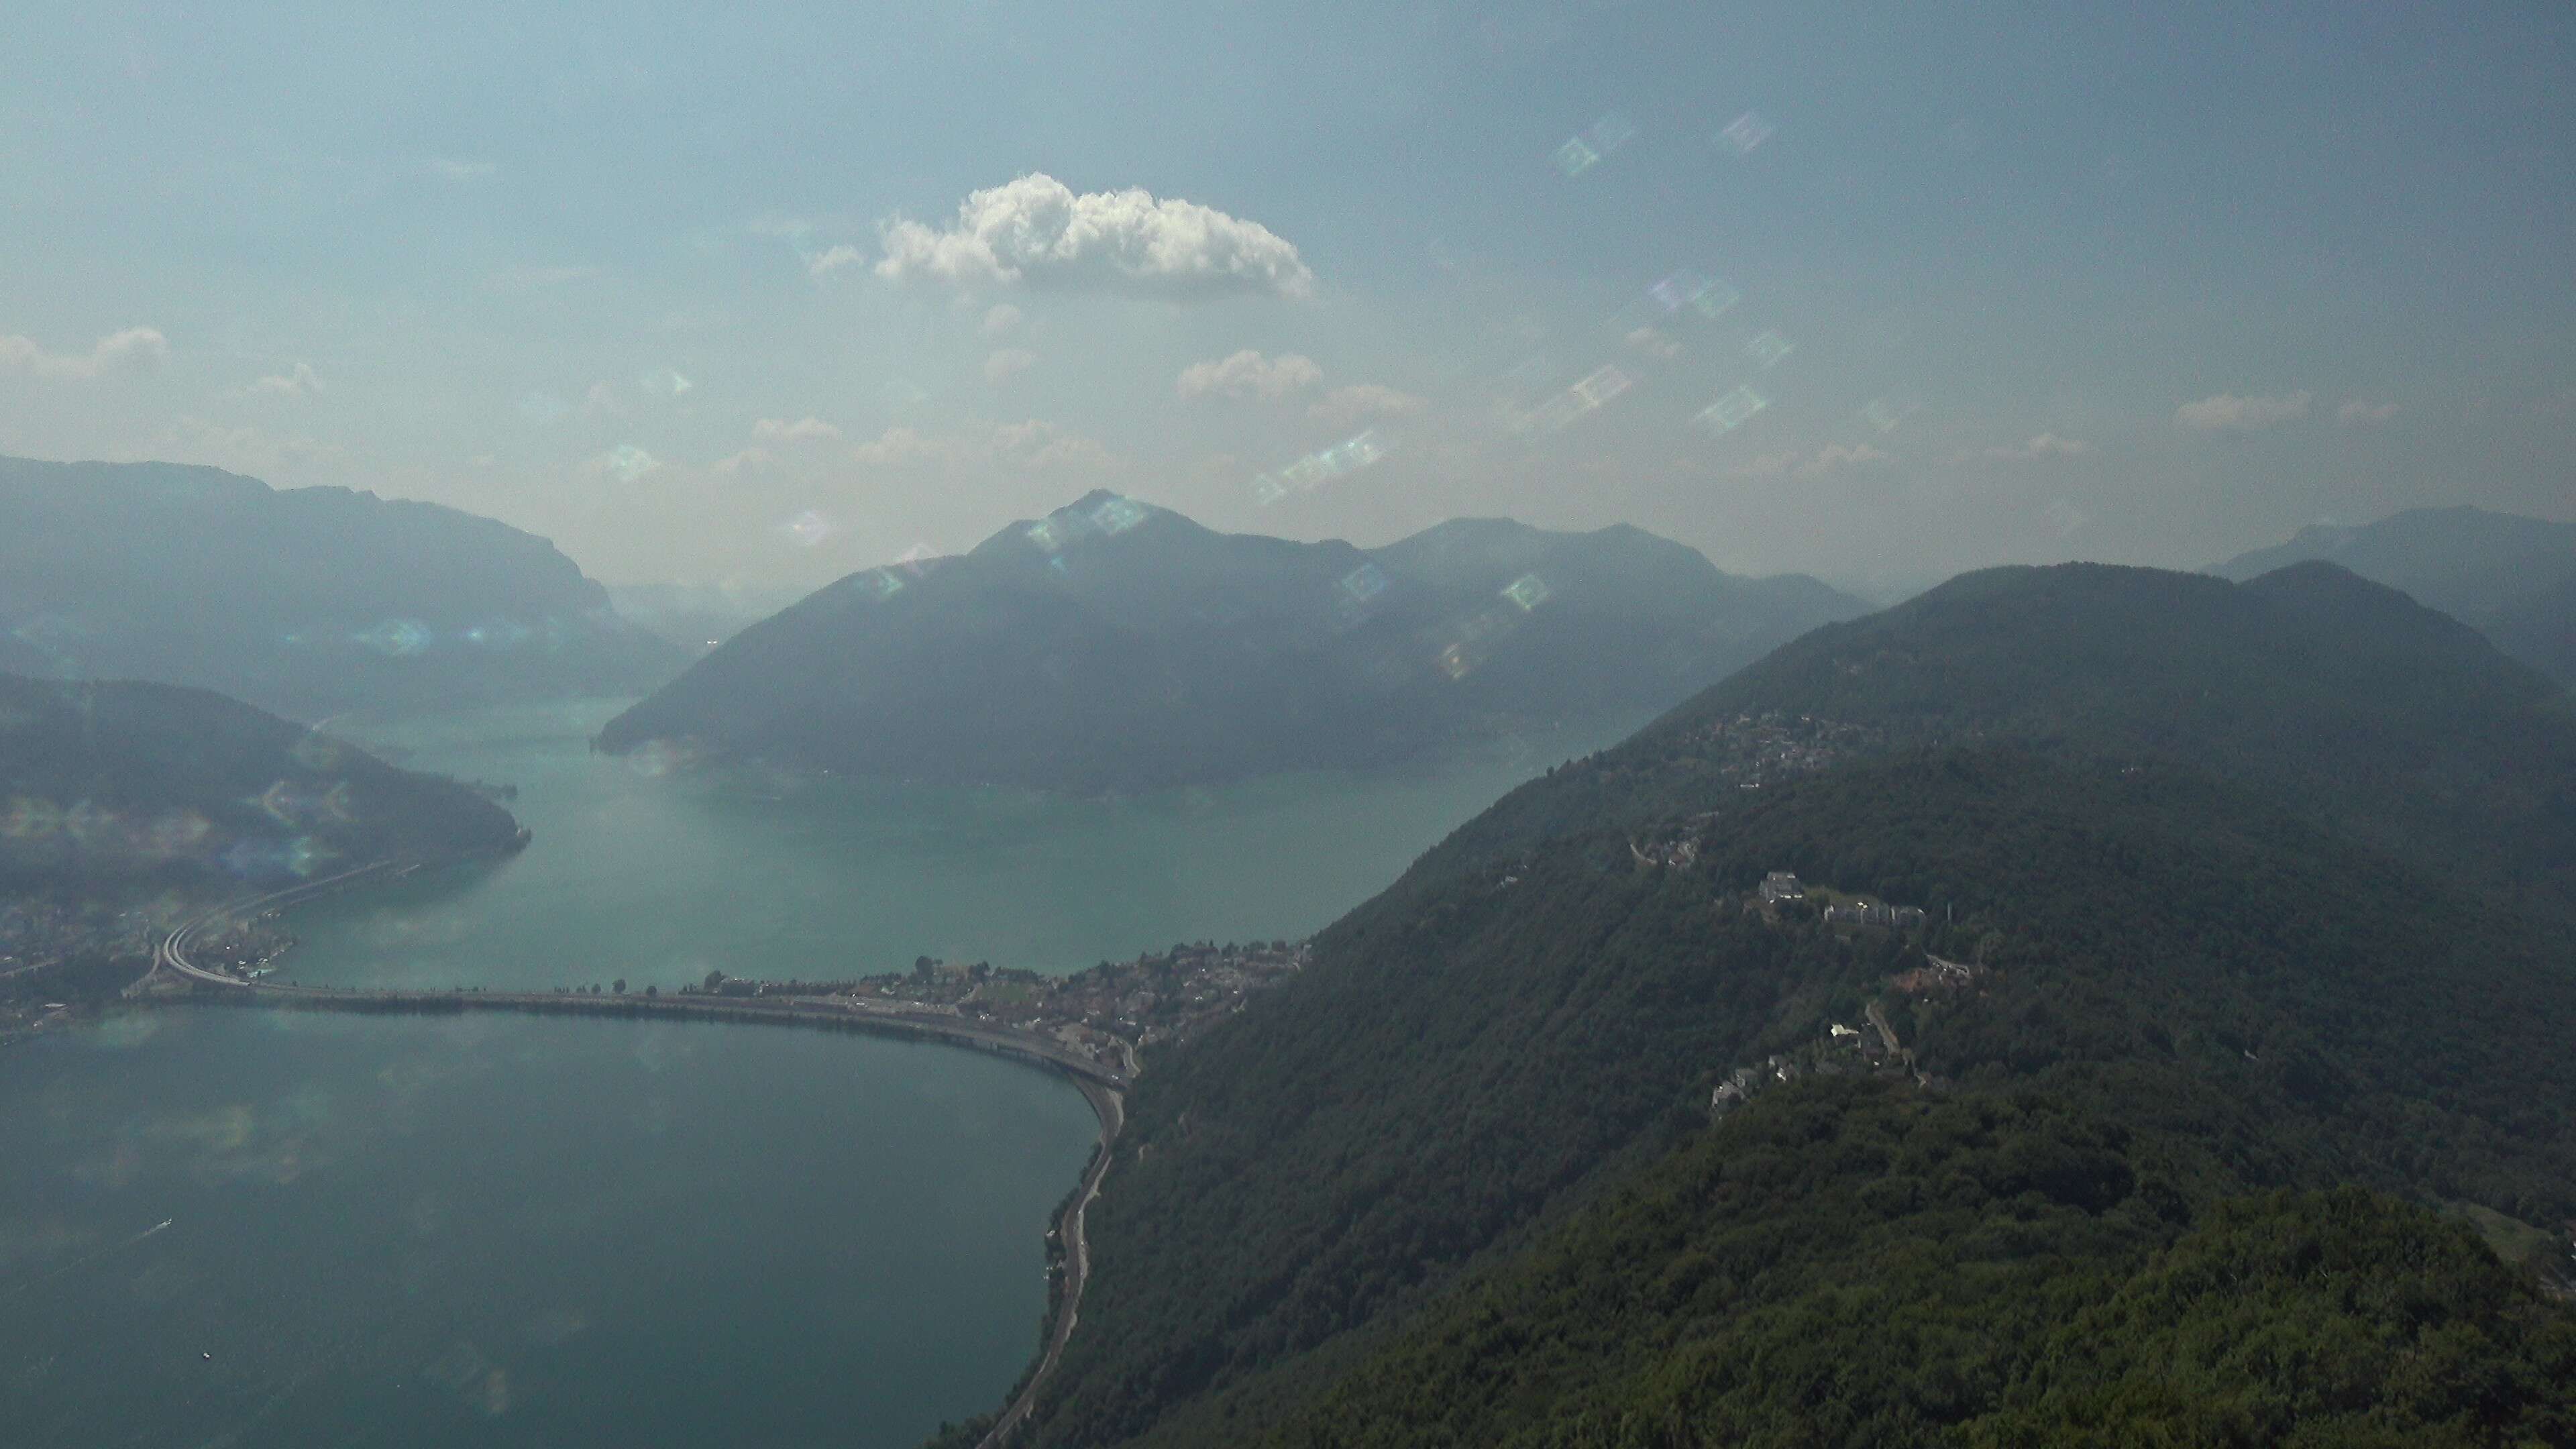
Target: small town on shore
(1106, 1012)
(61, 954)
(58, 962)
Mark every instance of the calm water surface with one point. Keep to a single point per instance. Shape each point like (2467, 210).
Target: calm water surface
(506, 1230)
(661, 879)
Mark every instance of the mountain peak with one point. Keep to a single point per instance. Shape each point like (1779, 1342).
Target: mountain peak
(1113, 644)
(2507, 575)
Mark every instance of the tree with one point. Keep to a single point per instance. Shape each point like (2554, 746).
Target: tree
(618, 986)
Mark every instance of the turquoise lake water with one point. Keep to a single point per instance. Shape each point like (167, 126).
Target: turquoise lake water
(661, 879)
(511, 1230)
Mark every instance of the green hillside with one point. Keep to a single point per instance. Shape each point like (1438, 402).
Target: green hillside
(2194, 840)
(1873, 1266)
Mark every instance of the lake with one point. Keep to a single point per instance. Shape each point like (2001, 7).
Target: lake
(660, 879)
(513, 1230)
(510, 1230)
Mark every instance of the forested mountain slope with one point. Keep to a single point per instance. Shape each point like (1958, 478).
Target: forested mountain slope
(2541, 629)
(1873, 1265)
(2510, 576)
(306, 601)
(1113, 645)
(2335, 692)
(2201, 964)
(108, 785)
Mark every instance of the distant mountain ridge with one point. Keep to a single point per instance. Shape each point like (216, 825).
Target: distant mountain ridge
(305, 601)
(2512, 578)
(118, 784)
(1116, 645)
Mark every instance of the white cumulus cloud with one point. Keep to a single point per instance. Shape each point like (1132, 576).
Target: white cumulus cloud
(1039, 231)
(1000, 319)
(2228, 413)
(135, 347)
(298, 381)
(1249, 374)
(831, 259)
(2044, 445)
(803, 430)
(1007, 361)
(1361, 401)
(625, 463)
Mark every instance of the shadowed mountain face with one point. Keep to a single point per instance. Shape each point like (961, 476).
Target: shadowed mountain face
(117, 784)
(1112, 645)
(308, 601)
(2260, 887)
(2513, 578)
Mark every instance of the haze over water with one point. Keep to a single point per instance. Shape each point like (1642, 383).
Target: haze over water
(661, 878)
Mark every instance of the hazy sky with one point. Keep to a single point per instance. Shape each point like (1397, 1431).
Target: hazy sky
(765, 297)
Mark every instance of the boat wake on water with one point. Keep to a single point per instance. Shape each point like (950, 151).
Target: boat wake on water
(84, 1261)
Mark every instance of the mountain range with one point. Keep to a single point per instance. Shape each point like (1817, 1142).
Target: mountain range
(2513, 578)
(305, 601)
(105, 786)
(2220, 1095)
(1114, 645)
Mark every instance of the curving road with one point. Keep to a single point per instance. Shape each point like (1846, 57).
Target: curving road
(1077, 1264)
(172, 952)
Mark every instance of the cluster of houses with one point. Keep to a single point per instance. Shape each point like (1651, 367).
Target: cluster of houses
(1873, 913)
(1107, 1011)
(1782, 886)
(1755, 749)
(1935, 974)
(1843, 1051)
